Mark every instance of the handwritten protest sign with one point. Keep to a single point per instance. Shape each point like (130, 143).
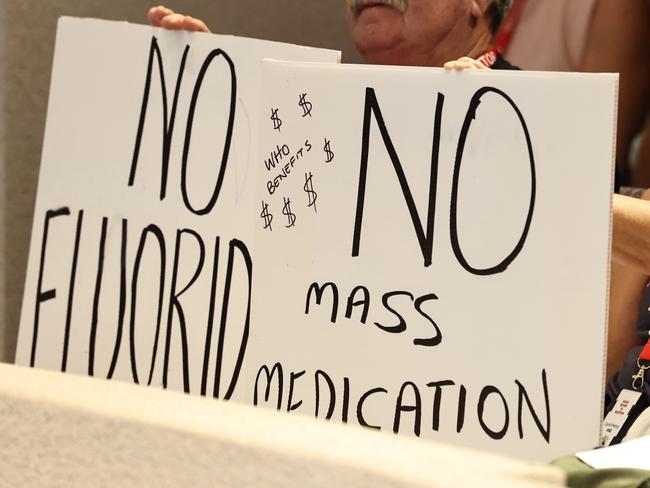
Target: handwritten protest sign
(405, 249)
(436, 252)
(141, 262)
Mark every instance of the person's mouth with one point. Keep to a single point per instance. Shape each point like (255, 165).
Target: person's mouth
(357, 6)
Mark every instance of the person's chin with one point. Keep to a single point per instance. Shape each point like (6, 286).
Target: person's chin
(377, 34)
(379, 50)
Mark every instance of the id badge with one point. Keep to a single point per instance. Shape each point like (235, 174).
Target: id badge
(618, 415)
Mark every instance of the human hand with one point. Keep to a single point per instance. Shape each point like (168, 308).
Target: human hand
(464, 63)
(164, 17)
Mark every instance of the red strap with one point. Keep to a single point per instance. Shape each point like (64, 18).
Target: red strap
(645, 354)
(509, 27)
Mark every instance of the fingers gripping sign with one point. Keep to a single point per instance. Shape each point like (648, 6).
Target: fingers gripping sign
(161, 16)
(465, 63)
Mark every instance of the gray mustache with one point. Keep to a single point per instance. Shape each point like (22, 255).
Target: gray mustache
(356, 5)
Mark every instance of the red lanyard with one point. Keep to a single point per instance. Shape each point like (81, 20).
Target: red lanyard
(509, 27)
(489, 57)
(645, 353)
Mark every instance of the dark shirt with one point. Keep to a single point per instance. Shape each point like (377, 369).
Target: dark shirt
(502, 63)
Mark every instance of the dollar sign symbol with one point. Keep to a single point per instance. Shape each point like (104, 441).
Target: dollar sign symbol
(329, 154)
(277, 122)
(287, 211)
(268, 218)
(306, 106)
(309, 189)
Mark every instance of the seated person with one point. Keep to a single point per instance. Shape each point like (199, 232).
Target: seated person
(405, 32)
(432, 32)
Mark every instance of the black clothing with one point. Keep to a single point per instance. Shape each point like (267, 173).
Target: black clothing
(502, 63)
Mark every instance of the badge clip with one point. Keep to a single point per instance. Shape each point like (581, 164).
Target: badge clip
(639, 379)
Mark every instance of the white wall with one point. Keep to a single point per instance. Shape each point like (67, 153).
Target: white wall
(29, 39)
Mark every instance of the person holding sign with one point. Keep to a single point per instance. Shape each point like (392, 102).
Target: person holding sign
(428, 33)
(405, 32)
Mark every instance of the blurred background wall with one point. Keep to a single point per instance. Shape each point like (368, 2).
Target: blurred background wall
(3, 192)
(27, 32)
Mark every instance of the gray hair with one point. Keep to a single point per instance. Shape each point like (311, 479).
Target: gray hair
(499, 9)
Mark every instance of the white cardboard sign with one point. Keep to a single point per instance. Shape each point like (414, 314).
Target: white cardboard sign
(435, 252)
(407, 249)
(142, 252)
